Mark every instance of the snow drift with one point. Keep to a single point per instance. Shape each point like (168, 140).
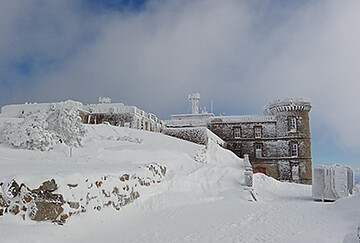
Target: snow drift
(113, 167)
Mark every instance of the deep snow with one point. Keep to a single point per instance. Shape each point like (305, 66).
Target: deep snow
(201, 199)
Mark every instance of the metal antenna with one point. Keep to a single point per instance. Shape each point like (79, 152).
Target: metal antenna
(194, 98)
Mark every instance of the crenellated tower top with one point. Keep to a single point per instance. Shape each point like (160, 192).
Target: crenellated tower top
(288, 104)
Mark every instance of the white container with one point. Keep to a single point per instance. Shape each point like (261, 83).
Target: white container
(332, 182)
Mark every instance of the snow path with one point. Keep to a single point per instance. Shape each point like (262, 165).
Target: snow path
(226, 219)
(196, 201)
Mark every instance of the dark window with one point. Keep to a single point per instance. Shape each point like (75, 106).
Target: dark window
(294, 150)
(237, 149)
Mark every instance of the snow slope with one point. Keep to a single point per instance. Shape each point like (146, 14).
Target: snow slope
(114, 167)
(200, 199)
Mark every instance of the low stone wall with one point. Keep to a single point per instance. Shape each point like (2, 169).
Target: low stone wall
(199, 135)
(49, 202)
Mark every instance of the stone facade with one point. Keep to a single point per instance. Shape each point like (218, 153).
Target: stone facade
(278, 144)
(199, 135)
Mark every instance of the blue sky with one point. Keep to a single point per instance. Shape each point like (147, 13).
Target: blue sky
(239, 54)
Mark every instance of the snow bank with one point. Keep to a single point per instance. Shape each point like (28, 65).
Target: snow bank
(348, 208)
(114, 167)
(268, 189)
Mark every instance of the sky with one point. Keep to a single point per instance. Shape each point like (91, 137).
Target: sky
(240, 54)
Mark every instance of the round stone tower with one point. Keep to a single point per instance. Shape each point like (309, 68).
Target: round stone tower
(293, 134)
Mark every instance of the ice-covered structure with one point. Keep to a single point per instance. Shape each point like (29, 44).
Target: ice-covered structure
(278, 142)
(41, 126)
(332, 182)
(117, 114)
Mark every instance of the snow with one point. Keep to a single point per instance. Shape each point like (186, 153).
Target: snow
(44, 127)
(202, 197)
(19, 110)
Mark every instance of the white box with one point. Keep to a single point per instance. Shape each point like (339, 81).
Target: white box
(332, 182)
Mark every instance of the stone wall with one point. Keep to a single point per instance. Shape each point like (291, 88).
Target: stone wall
(56, 201)
(199, 135)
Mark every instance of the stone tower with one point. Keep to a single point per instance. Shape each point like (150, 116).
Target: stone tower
(293, 128)
(276, 143)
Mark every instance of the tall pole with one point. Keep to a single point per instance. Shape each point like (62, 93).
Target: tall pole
(194, 98)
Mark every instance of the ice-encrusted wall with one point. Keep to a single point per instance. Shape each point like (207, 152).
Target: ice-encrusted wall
(199, 135)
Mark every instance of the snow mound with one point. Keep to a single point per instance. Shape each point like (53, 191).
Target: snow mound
(268, 188)
(114, 167)
(349, 209)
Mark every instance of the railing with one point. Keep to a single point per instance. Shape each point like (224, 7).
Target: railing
(235, 119)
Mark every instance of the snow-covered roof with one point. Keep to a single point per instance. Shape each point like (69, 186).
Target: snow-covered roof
(190, 120)
(110, 108)
(192, 116)
(16, 110)
(245, 118)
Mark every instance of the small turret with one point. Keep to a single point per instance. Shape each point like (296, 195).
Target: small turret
(292, 115)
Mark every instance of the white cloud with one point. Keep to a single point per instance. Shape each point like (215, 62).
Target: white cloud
(240, 54)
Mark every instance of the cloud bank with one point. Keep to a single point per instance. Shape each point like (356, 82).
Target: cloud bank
(240, 54)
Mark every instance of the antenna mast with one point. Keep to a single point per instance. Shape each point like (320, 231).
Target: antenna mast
(194, 98)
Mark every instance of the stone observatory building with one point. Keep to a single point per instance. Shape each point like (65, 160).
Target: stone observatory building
(278, 143)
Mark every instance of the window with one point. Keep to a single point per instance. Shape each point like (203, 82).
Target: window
(237, 132)
(294, 150)
(292, 124)
(258, 150)
(237, 149)
(257, 132)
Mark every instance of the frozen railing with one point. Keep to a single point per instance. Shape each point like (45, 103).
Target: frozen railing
(247, 118)
(187, 122)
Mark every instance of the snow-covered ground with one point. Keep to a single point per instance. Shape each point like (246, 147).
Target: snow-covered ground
(200, 199)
